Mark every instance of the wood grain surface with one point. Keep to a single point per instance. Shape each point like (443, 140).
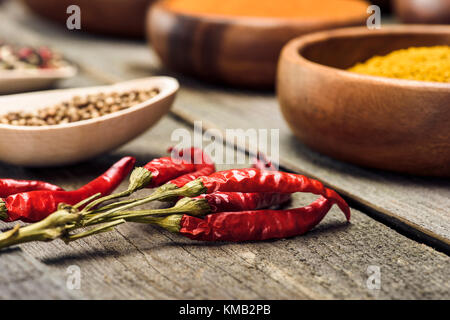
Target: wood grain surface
(419, 207)
(143, 262)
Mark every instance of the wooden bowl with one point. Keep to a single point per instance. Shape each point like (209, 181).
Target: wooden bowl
(13, 81)
(112, 17)
(240, 51)
(73, 142)
(429, 11)
(385, 5)
(385, 123)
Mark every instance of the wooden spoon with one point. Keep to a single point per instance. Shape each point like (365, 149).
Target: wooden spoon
(73, 142)
(13, 81)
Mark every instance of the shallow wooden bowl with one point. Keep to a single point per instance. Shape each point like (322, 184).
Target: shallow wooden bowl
(112, 17)
(385, 123)
(70, 143)
(240, 51)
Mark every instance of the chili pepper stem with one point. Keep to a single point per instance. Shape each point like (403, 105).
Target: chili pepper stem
(87, 200)
(195, 207)
(164, 193)
(52, 227)
(3, 210)
(139, 178)
(171, 223)
(100, 229)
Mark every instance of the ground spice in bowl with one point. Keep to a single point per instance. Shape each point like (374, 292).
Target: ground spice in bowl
(324, 9)
(415, 63)
(79, 108)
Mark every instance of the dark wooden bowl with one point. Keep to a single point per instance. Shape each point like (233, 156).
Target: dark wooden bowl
(385, 5)
(112, 17)
(430, 11)
(385, 123)
(240, 51)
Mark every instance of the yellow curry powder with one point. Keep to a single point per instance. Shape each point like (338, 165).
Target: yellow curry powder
(415, 63)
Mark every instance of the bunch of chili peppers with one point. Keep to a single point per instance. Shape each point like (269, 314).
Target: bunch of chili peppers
(210, 206)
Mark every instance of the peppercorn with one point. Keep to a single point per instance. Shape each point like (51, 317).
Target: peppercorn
(14, 57)
(79, 108)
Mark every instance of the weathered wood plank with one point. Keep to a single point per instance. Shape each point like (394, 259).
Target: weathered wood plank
(143, 262)
(23, 277)
(415, 205)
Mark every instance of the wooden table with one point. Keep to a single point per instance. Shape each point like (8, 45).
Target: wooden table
(400, 224)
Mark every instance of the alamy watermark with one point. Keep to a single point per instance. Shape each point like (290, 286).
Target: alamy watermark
(374, 20)
(373, 281)
(214, 143)
(73, 22)
(73, 281)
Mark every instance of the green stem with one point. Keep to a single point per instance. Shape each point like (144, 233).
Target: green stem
(87, 200)
(111, 206)
(103, 228)
(171, 223)
(163, 193)
(3, 211)
(139, 178)
(52, 227)
(106, 198)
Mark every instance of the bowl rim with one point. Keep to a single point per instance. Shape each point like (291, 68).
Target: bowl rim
(62, 72)
(258, 21)
(168, 86)
(292, 52)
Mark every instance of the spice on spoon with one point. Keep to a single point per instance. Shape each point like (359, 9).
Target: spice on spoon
(79, 108)
(14, 57)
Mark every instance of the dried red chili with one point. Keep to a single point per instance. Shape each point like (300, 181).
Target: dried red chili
(36, 205)
(240, 201)
(168, 173)
(165, 169)
(212, 203)
(187, 165)
(12, 186)
(247, 225)
(203, 166)
(255, 180)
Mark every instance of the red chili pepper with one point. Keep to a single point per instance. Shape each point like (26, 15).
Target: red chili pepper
(211, 203)
(239, 201)
(12, 186)
(165, 169)
(203, 166)
(255, 180)
(247, 225)
(36, 205)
